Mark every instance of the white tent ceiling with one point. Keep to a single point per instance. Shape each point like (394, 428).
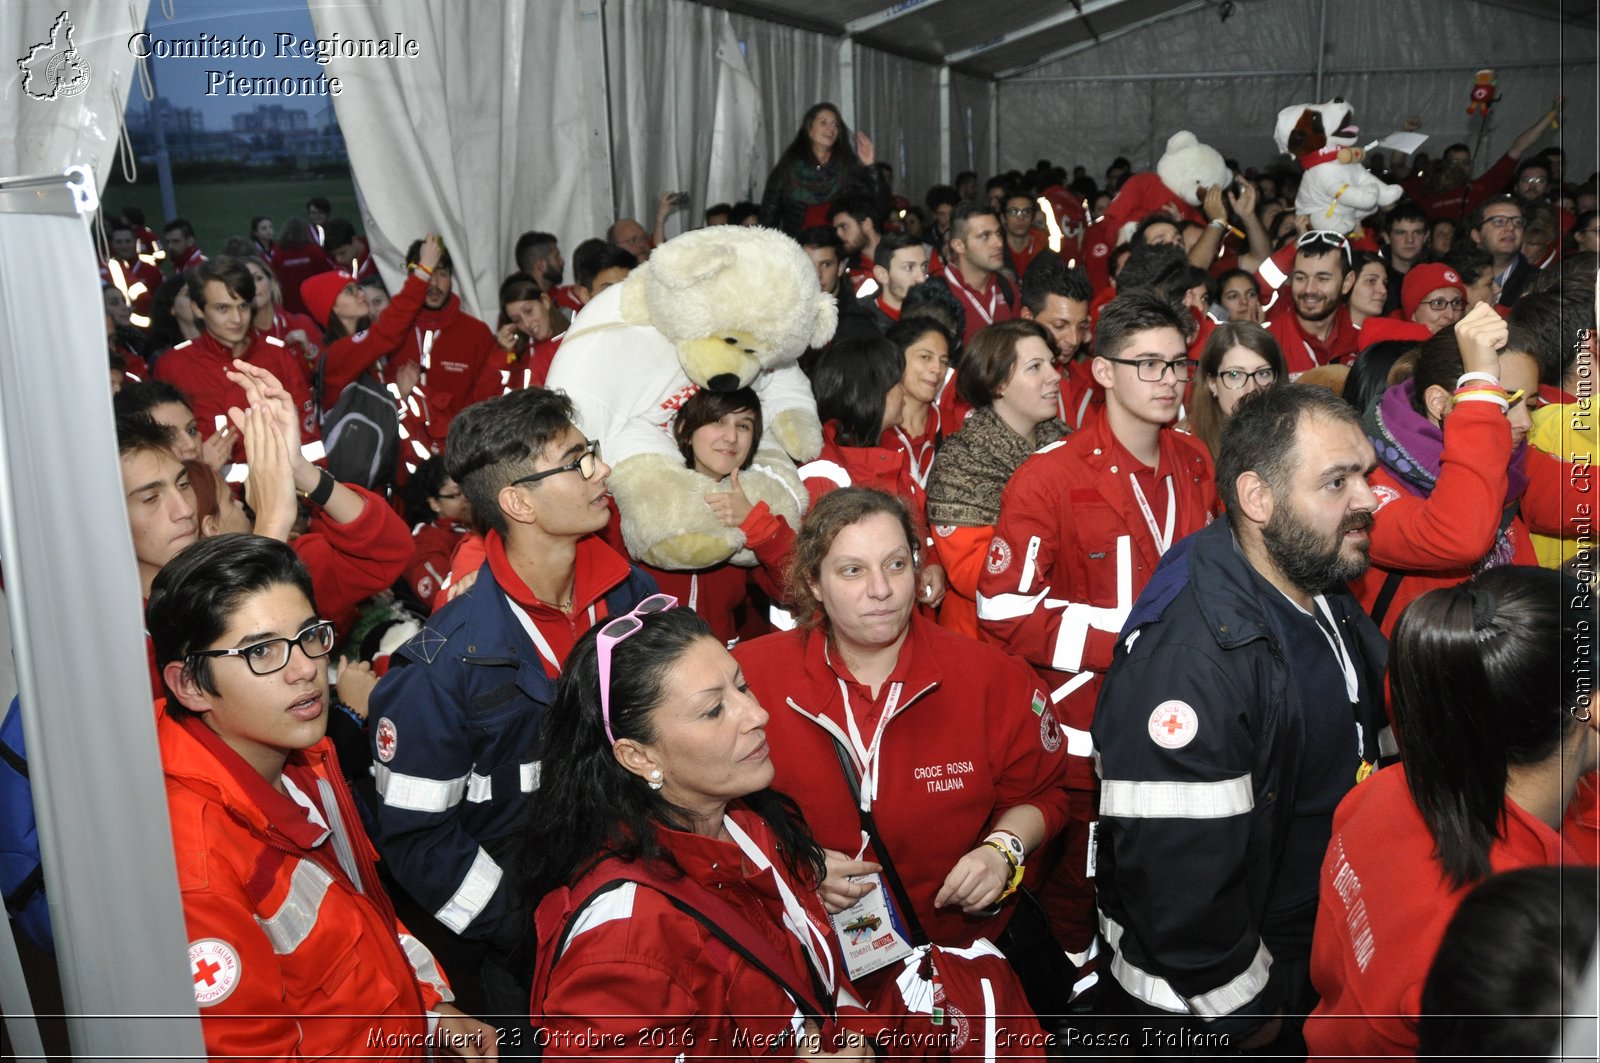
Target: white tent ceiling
(1003, 40)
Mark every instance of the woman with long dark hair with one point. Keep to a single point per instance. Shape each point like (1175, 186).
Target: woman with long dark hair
(822, 165)
(530, 331)
(1492, 684)
(679, 907)
(1239, 358)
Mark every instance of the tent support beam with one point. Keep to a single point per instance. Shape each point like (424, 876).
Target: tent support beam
(847, 81)
(888, 14)
(944, 124)
(1244, 75)
(1061, 19)
(1081, 46)
(1322, 47)
(994, 127)
(602, 165)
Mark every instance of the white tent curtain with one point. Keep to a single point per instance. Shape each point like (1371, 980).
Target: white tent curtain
(897, 105)
(481, 138)
(47, 136)
(792, 69)
(970, 132)
(738, 139)
(1389, 60)
(661, 61)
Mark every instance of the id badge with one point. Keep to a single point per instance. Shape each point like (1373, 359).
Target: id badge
(872, 935)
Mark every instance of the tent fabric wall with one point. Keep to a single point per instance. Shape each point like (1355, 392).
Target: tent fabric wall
(480, 138)
(897, 105)
(970, 128)
(1122, 98)
(47, 136)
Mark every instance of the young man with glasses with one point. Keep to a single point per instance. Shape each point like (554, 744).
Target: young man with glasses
(1498, 226)
(294, 948)
(1023, 240)
(457, 719)
(1083, 524)
(1312, 325)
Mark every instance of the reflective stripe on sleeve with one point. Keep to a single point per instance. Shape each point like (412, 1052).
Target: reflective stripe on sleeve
(473, 895)
(426, 967)
(1008, 606)
(1128, 799)
(416, 794)
(1158, 992)
(528, 776)
(296, 917)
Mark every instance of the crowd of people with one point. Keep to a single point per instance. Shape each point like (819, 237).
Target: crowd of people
(1240, 602)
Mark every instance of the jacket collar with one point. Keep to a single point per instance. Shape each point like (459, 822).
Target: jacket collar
(193, 753)
(598, 569)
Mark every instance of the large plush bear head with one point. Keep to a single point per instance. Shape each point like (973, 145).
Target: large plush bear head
(1189, 167)
(1307, 128)
(733, 300)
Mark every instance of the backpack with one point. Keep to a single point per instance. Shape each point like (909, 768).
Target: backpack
(361, 432)
(21, 872)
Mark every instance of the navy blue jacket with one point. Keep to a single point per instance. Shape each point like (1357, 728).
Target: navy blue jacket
(1200, 732)
(456, 732)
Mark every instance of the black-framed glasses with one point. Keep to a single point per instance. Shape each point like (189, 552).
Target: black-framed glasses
(585, 463)
(1234, 379)
(1020, 212)
(1500, 221)
(1153, 370)
(272, 655)
(1442, 303)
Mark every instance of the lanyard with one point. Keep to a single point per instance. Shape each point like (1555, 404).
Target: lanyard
(915, 454)
(817, 944)
(1330, 631)
(540, 643)
(971, 296)
(865, 754)
(425, 338)
(1163, 541)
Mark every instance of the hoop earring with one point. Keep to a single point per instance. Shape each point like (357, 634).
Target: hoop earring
(655, 779)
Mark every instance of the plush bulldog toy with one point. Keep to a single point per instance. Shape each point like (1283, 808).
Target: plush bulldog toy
(1337, 192)
(723, 308)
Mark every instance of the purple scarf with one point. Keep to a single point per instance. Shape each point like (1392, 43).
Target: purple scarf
(1412, 447)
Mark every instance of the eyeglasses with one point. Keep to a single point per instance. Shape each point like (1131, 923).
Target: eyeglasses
(615, 631)
(1445, 304)
(1324, 238)
(272, 655)
(1153, 370)
(585, 463)
(1529, 179)
(1233, 379)
(1500, 221)
(1020, 212)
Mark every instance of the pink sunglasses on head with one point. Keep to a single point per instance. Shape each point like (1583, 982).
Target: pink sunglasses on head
(615, 631)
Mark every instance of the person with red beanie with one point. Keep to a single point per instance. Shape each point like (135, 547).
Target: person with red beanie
(1433, 295)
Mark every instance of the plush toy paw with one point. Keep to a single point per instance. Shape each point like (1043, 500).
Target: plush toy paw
(799, 432)
(665, 520)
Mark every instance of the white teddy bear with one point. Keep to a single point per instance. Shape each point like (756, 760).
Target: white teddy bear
(722, 308)
(1337, 192)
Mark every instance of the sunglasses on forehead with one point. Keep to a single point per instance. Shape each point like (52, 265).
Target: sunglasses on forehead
(618, 630)
(1324, 240)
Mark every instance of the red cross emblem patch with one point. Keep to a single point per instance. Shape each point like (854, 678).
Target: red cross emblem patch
(1173, 725)
(386, 739)
(214, 966)
(999, 558)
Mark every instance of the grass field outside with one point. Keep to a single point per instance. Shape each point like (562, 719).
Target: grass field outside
(221, 209)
